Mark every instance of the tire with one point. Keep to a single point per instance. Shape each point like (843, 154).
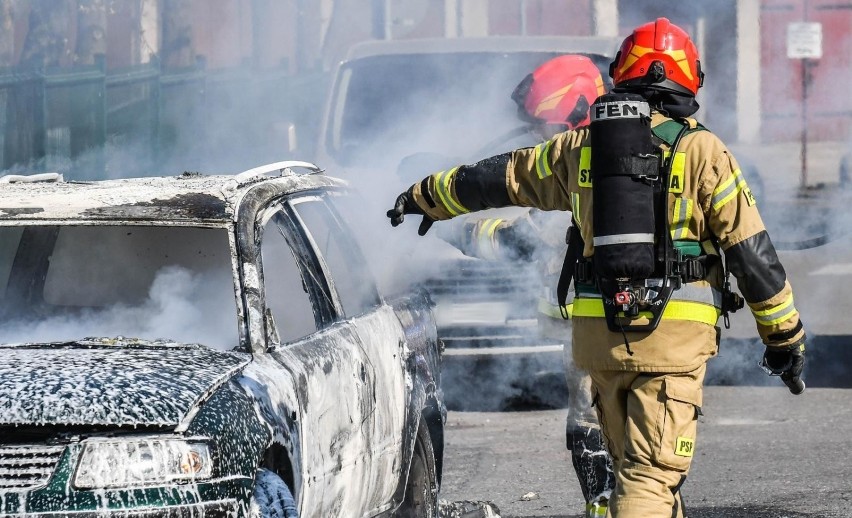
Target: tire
(271, 497)
(421, 487)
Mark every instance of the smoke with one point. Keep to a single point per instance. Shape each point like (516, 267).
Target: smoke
(181, 306)
(402, 117)
(412, 118)
(68, 282)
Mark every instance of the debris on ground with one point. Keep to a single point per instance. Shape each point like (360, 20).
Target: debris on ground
(467, 509)
(532, 495)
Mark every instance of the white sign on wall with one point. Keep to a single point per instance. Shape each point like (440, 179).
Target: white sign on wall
(804, 40)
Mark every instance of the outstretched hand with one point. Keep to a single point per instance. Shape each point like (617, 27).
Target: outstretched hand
(405, 204)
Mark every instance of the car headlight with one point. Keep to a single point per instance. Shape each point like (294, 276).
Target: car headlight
(115, 462)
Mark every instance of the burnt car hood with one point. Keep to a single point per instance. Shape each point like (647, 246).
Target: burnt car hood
(109, 383)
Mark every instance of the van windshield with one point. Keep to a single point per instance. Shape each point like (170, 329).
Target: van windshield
(389, 107)
(62, 283)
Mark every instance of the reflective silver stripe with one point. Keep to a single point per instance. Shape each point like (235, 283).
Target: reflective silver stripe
(727, 190)
(587, 295)
(542, 165)
(621, 239)
(442, 185)
(682, 216)
(693, 292)
(776, 314)
(575, 207)
(485, 238)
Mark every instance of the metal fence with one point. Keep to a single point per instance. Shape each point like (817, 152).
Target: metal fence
(90, 123)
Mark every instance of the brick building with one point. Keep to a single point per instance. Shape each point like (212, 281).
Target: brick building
(764, 95)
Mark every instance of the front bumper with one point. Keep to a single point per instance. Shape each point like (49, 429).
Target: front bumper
(222, 508)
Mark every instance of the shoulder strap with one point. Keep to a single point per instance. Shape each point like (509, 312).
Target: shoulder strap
(667, 131)
(572, 255)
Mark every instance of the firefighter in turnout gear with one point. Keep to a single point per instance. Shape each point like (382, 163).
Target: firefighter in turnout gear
(659, 201)
(554, 98)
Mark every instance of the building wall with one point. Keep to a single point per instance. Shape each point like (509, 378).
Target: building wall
(742, 44)
(540, 17)
(810, 92)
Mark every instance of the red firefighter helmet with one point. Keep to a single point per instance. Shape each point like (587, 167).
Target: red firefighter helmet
(658, 55)
(559, 91)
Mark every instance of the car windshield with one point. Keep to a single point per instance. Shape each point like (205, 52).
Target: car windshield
(61, 283)
(389, 107)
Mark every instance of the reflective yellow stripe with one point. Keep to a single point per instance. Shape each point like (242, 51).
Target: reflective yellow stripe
(675, 310)
(575, 207)
(493, 227)
(728, 189)
(585, 177)
(542, 164)
(552, 310)
(775, 314)
(485, 238)
(597, 509)
(681, 218)
(442, 185)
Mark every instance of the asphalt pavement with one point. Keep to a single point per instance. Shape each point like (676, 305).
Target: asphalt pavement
(761, 453)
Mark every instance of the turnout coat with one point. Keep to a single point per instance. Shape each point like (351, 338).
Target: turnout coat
(711, 209)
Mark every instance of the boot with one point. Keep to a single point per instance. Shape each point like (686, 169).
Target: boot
(596, 509)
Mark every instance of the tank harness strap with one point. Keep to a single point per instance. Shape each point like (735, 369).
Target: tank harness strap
(671, 132)
(549, 309)
(572, 255)
(693, 264)
(667, 131)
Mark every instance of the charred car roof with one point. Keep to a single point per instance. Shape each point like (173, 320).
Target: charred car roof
(190, 197)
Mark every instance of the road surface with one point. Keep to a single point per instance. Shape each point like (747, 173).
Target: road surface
(761, 453)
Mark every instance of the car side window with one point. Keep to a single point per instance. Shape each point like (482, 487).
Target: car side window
(352, 279)
(288, 297)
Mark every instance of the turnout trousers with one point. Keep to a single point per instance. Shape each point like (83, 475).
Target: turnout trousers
(589, 457)
(649, 423)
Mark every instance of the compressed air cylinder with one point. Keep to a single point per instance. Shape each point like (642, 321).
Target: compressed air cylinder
(624, 165)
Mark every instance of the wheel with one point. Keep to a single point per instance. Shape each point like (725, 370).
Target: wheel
(421, 489)
(271, 497)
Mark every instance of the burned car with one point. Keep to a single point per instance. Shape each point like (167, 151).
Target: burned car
(207, 345)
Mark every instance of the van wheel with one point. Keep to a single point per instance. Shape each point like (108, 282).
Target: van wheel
(271, 497)
(421, 490)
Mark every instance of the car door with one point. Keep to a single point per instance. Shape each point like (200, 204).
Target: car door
(379, 332)
(326, 363)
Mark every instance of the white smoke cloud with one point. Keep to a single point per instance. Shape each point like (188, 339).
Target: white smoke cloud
(445, 122)
(181, 306)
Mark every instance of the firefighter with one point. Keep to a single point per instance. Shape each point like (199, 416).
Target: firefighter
(665, 214)
(554, 98)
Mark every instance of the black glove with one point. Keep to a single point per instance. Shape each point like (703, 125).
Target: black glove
(405, 205)
(787, 362)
